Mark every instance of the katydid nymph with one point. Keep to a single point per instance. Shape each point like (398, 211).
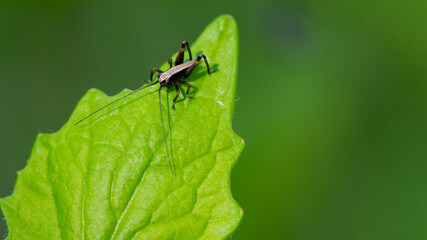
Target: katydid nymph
(173, 76)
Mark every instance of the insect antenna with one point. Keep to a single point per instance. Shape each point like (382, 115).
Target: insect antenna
(164, 132)
(127, 95)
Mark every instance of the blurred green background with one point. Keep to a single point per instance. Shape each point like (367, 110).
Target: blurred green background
(331, 100)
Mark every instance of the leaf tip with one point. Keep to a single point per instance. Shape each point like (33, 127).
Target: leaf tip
(227, 15)
(226, 18)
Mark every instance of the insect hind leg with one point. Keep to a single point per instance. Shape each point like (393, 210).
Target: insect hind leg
(180, 57)
(190, 69)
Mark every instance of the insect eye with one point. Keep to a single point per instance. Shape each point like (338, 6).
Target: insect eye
(158, 76)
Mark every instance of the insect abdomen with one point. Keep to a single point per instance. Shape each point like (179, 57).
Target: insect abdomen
(173, 71)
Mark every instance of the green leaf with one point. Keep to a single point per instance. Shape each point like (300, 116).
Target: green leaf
(109, 178)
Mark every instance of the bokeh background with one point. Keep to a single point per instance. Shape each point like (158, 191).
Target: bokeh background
(331, 100)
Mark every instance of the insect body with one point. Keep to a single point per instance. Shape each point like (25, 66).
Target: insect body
(173, 76)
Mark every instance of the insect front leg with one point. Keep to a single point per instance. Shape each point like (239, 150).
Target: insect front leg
(188, 88)
(176, 97)
(170, 62)
(180, 57)
(152, 72)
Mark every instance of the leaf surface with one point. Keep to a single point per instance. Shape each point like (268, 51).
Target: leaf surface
(109, 177)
